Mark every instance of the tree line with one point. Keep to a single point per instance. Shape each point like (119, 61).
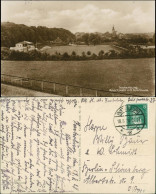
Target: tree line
(39, 56)
(95, 38)
(13, 33)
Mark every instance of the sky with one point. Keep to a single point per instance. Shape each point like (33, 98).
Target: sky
(83, 16)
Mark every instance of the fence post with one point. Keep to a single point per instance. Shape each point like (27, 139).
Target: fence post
(54, 87)
(2, 78)
(80, 91)
(66, 90)
(21, 82)
(31, 83)
(42, 85)
(96, 93)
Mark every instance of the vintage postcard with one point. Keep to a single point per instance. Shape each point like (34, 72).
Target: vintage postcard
(78, 48)
(76, 112)
(78, 145)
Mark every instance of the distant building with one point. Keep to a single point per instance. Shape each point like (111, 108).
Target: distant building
(148, 47)
(121, 35)
(114, 32)
(24, 46)
(81, 43)
(58, 41)
(79, 35)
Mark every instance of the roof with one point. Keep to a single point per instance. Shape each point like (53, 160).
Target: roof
(25, 42)
(148, 47)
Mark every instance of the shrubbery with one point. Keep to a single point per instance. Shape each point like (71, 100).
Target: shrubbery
(39, 56)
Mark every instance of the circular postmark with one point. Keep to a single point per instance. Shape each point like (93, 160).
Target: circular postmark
(129, 120)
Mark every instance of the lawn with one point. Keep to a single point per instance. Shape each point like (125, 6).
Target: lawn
(101, 75)
(79, 49)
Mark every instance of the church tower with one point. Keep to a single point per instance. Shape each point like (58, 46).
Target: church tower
(113, 31)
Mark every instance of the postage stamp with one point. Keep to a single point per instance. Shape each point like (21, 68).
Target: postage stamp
(131, 119)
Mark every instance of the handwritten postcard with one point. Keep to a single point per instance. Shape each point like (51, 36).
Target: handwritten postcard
(78, 145)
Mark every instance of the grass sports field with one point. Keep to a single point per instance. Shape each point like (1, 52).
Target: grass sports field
(101, 74)
(79, 49)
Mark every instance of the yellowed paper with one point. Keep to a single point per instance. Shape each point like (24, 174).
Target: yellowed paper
(78, 145)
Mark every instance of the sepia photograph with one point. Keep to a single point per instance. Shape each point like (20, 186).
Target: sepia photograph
(78, 48)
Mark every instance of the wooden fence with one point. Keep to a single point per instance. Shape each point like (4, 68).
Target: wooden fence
(56, 88)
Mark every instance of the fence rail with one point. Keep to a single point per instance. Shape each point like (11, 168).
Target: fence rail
(55, 87)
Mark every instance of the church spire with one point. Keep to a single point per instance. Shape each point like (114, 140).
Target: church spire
(113, 31)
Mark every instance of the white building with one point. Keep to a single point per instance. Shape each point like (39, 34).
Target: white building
(24, 46)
